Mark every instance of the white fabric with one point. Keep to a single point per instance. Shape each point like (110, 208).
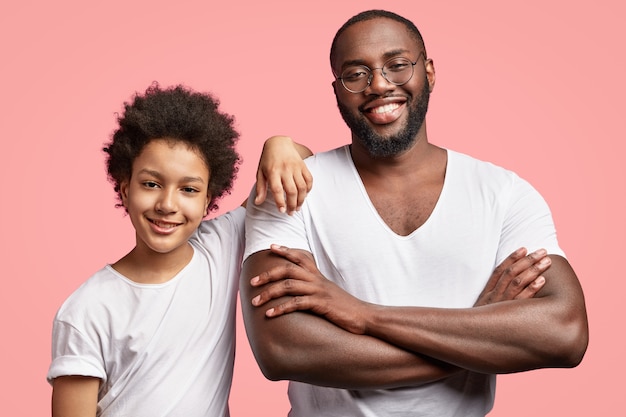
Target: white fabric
(483, 214)
(159, 349)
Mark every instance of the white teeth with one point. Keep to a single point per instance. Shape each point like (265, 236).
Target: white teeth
(164, 225)
(386, 108)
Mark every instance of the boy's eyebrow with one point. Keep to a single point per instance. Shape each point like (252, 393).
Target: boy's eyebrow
(193, 179)
(158, 175)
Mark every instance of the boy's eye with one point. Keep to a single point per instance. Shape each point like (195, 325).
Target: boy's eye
(190, 190)
(150, 184)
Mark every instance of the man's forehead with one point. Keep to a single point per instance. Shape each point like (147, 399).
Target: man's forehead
(375, 37)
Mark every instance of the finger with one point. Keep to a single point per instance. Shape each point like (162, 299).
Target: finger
(512, 273)
(303, 189)
(261, 188)
(280, 272)
(291, 191)
(298, 256)
(276, 187)
(308, 178)
(293, 304)
(532, 289)
(527, 277)
(287, 287)
(503, 266)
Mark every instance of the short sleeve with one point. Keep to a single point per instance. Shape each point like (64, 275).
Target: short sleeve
(73, 354)
(265, 225)
(528, 222)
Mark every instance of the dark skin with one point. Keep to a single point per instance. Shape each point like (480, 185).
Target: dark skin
(530, 316)
(327, 353)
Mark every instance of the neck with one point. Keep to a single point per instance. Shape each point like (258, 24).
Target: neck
(401, 163)
(146, 266)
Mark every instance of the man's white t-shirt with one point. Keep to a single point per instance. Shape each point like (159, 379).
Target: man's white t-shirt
(483, 214)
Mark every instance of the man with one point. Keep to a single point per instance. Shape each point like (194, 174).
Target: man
(395, 312)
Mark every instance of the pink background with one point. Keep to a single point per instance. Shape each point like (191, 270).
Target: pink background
(535, 86)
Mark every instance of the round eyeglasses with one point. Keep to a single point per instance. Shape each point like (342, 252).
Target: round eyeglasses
(397, 71)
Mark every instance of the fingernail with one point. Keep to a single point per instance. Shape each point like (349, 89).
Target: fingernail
(255, 300)
(540, 252)
(544, 262)
(269, 312)
(282, 209)
(254, 280)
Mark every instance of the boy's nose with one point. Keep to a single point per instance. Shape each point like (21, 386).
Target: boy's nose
(166, 203)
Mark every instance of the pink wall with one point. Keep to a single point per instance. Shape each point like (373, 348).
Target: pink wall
(538, 88)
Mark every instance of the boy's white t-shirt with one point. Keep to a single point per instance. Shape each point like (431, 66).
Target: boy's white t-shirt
(159, 349)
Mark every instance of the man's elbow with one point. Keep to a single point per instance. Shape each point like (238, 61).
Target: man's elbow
(274, 362)
(578, 346)
(572, 343)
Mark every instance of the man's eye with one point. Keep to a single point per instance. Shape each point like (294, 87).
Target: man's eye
(150, 184)
(397, 66)
(354, 74)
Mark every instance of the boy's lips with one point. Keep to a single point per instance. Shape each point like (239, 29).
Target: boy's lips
(163, 226)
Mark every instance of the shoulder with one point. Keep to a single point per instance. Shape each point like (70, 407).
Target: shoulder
(96, 291)
(338, 156)
(228, 224)
(469, 163)
(479, 173)
(220, 235)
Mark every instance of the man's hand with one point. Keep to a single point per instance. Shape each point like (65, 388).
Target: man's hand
(299, 278)
(517, 277)
(283, 171)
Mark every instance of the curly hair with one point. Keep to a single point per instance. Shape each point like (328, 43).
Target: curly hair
(180, 114)
(375, 14)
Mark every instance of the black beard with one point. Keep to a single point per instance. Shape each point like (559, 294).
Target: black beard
(380, 146)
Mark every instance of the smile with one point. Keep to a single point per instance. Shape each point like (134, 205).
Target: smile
(163, 225)
(385, 109)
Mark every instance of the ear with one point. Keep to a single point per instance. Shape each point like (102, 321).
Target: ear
(430, 73)
(206, 204)
(334, 84)
(124, 185)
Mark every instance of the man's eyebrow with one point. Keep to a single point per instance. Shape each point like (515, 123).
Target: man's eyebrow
(395, 53)
(387, 55)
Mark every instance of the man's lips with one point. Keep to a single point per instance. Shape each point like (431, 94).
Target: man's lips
(382, 105)
(386, 112)
(384, 109)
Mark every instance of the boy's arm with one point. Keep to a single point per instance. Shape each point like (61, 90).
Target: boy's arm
(75, 396)
(283, 171)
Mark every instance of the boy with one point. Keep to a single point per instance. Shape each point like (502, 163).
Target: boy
(153, 333)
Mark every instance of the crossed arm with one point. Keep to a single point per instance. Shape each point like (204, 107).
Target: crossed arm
(530, 315)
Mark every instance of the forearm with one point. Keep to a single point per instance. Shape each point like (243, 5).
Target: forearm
(307, 348)
(547, 331)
